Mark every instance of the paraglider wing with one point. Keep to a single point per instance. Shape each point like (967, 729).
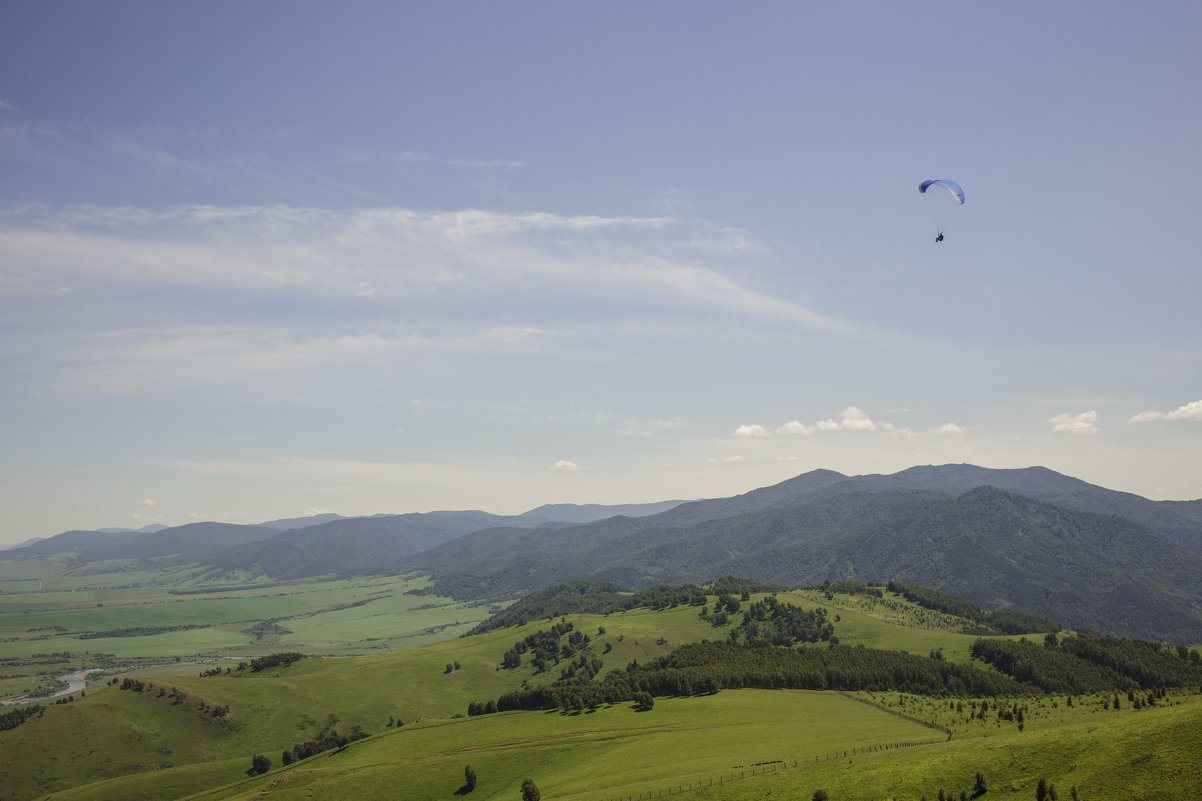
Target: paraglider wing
(950, 186)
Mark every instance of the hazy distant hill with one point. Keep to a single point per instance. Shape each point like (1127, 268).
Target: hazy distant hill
(178, 545)
(587, 513)
(1032, 538)
(305, 546)
(354, 544)
(302, 522)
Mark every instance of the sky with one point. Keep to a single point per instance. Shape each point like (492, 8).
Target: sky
(263, 260)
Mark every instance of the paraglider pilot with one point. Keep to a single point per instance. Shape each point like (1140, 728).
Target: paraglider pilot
(940, 237)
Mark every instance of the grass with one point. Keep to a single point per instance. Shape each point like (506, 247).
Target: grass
(595, 756)
(143, 745)
(706, 748)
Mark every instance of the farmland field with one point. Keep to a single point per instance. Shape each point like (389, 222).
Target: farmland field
(43, 634)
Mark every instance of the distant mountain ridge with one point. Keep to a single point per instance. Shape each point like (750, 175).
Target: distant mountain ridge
(1031, 538)
(1126, 569)
(291, 538)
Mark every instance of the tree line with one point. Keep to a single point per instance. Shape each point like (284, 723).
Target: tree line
(1091, 662)
(706, 667)
(1005, 621)
(137, 631)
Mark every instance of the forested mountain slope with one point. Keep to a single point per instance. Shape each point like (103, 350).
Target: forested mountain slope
(992, 547)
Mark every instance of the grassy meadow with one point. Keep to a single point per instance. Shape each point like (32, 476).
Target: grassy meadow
(412, 669)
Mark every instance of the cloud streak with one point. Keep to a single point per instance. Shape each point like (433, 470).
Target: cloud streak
(390, 253)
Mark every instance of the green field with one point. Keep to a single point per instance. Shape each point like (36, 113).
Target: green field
(40, 632)
(167, 743)
(709, 747)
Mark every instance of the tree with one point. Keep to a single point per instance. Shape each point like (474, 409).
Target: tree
(980, 787)
(821, 795)
(259, 764)
(643, 701)
(1041, 790)
(530, 791)
(469, 778)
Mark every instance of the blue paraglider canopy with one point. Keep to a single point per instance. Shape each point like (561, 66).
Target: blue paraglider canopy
(950, 186)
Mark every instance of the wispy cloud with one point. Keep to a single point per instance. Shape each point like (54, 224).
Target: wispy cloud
(142, 359)
(360, 156)
(566, 466)
(390, 253)
(1191, 411)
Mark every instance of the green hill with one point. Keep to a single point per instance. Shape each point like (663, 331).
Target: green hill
(176, 734)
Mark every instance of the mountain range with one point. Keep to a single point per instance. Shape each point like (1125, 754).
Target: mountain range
(1030, 538)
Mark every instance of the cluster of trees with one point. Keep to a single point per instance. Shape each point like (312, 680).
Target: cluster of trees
(326, 741)
(545, 648)
(588, 597)
(274, 660)
(1005, 621)
(266, 628)
(18, 715)
(1090, 663)
(784, 624)
(594, 597)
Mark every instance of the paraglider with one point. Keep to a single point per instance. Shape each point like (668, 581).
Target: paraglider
(953, 189)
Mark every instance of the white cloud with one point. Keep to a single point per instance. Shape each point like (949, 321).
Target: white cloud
(950, 428)
(850, 419)
(753, 430)
(565, 465)
(725, 460)
(1082, 423)
(794, 427)
(149, 502)
(1191, 411)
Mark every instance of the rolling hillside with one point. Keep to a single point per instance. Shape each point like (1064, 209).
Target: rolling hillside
(166, 732)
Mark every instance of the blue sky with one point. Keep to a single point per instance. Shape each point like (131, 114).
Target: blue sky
(265, 259)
